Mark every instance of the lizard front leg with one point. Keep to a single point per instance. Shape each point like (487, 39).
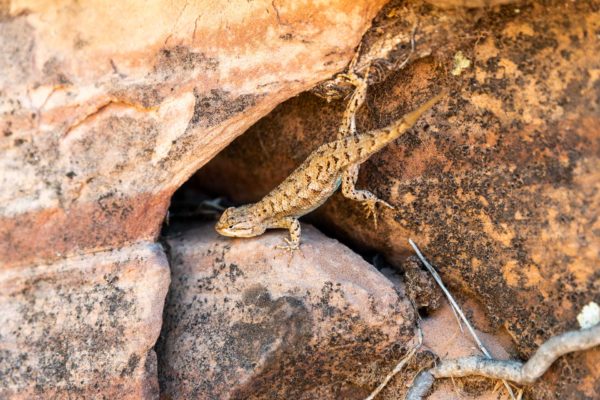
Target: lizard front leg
(368, 199)
(356, 101)
(293, 225)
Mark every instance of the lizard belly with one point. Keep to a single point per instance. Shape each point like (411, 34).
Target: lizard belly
(318, 199)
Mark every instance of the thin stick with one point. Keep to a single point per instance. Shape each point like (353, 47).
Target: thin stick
(458, 321)
(412, 47)
(397, 368)
(516, 371)
(455, 387)
(454, 304)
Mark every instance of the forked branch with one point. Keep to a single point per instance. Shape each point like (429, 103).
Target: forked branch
(515, 371)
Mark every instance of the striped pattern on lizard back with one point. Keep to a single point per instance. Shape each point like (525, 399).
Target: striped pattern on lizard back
(319, 176)
(315, 180)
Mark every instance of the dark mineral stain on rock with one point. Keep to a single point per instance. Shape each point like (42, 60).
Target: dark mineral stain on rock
(132, 364)
(268, 339)
(16, 48)
(217, 106)
(69, 329)
(175, 59)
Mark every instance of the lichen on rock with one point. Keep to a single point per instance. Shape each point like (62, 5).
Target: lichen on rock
(245, 320)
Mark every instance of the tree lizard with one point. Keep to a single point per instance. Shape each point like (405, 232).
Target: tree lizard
(332, 165)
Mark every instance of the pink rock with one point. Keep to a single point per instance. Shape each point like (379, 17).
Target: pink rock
(443, 336)
(83, 327)
(106, 108)
(246, 320)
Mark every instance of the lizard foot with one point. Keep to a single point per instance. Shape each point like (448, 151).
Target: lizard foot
(371, 209)
(351, 78)
(385, 203)
(290, 245)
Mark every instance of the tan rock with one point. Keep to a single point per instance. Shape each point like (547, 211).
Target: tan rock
(106, 108)
(83, 327)
(443, 336)
(499, 185)
(246, 320)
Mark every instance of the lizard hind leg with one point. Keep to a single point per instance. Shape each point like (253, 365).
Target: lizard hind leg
(293, 225)
(368, 199)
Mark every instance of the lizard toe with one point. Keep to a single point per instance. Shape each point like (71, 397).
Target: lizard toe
(289, 246)
(385, 203)
(371, 211)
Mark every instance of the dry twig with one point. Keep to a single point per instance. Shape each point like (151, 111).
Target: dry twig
(397, 368)
(514, 371)
(457, 309)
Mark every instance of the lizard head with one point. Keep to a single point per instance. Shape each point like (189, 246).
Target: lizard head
(240, 222)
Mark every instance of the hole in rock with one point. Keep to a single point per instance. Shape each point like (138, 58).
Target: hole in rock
(257, 161)
(194, 203)
(269, 151)
(423, 312)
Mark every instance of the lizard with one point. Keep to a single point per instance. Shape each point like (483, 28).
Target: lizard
(330, 166)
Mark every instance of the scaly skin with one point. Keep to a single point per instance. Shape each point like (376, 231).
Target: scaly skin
(317, 178)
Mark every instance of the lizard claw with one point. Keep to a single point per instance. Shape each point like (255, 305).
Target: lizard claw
(289, 246)
(351, 77)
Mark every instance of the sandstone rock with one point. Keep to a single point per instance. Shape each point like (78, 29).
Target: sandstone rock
(499, 184)
(83, 327)
(246, 320)
(106, 108)
(469, 3)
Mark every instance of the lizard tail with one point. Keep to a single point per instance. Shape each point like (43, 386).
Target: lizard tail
(407, 121)
(358, 148)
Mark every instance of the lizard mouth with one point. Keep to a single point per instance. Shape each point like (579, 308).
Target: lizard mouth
(236, 232)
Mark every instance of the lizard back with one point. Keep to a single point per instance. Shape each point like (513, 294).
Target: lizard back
(319, 176)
